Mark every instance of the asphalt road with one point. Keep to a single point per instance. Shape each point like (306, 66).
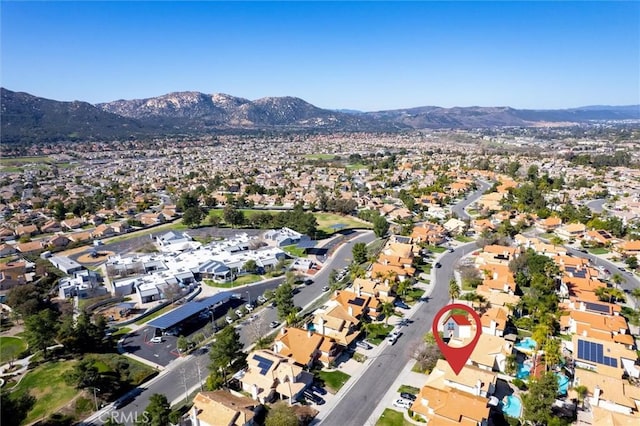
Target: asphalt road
(458, 208)
(357, 405)
(629, 281)
(597, 205)
(185, 373)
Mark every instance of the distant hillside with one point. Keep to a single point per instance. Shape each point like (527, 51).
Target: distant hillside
(27, 118)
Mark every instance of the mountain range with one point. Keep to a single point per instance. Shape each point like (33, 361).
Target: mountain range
(27, 118)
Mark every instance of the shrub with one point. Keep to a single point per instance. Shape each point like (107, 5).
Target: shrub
(520, 384)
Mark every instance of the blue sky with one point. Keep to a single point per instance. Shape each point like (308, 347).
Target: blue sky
(362, 55)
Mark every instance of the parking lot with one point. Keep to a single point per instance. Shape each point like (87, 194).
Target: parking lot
(138, 343)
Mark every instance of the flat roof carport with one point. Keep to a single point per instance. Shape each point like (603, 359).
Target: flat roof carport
(187, 310)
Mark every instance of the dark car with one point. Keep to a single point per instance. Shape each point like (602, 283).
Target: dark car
(308, 281)
(313, 398)
(408, 396)
(318, 389)
(400, 304)
(127, 399)
(438, 265)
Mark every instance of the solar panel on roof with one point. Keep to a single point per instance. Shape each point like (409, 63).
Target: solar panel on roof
(358, 301)
(594, 352)
(264, 364)
(187, 310)
(597, 307)
(580, 274)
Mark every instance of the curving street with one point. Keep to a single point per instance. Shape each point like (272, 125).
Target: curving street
(459, 209)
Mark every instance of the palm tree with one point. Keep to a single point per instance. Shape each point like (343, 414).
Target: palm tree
(454, 290)
(636, 293)
(617, 279)
(387, 310)
(582, 392)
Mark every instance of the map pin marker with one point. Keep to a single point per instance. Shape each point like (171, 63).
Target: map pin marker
(456, 357)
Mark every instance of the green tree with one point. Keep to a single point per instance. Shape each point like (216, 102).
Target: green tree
(182, 344)
(511, 365)
(380, 226)
(540, 398)
(359, 252)
(284, 300)
(14, 407)
(454, 290)
(582, 391)
(632, 262)
(192, 216)
(157, 412)
(225, 350)
(552, 354)
(232, 216)
(250, 266)
(387, 310)
(215, 380)
(83, 375)
(281, 414)
(41, 329)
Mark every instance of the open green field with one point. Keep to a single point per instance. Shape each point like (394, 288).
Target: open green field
(326, 220)
(46, 383)
(391, 417)
(174, 226)
(333, 380)
(320, 156)
(10, 348)
(24, 160)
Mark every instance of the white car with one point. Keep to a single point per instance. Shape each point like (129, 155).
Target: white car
(402, 403)
(249, 307)
(156, 339)
(228, 320)
(238, 312)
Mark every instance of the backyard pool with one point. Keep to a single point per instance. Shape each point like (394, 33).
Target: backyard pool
(512, 406)
(563, 383)
(526, 345)
(524, 370)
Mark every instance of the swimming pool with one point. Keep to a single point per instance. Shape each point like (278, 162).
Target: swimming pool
(524, 370)
(512, 407)
(526, 345)
(563, 383)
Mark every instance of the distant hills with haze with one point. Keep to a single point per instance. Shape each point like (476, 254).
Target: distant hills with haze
(27, 118)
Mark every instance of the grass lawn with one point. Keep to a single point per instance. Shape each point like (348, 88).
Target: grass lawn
(356, 166)
(24, 160)
(598, 250)
(392, 418)
(154, 315)
(436, 249)
(378, 333)
(122, 331)
(326, 220)
(408, 389)
(46, 383)
(10, 348)
(137, 372)
(464, 239)
(334, 380)
(413, 294)
(175, 226)
(294, 251)
(547, 235)
(243, 280)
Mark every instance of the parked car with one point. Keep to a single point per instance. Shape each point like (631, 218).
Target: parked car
(238, 312)
(402, 403)
(308, 281)
(451, 250)
(392, 338)
(400, 304)
(325, 288)
(228, 320)
(318, 389)
(273, 304)
(274, 324)
(262, 299)
(363, 345)
(249, 307)
(438, 265)
(313, 398)
(408, 396)
(157, 339)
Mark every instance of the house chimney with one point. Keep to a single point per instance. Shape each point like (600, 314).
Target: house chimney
(478, 387)
(194, 416)
(596, 396)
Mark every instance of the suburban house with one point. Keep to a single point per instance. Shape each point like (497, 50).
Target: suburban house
(335, 323)
(499, 277)
(599, 236)
(606, 358)
(450, 407)
(306, 347)
(613, 394)
(428, 233)
(629, 248)
(494, 321)
(497, 254)
(549, 224)
(269, 374)
(222, 408)
(65, 264)
(455, 226)
(12, 274)
(284, 237)
(457, 326)
(571, 231)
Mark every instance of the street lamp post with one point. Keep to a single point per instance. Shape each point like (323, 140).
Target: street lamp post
(249, 297)
(95, 398)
